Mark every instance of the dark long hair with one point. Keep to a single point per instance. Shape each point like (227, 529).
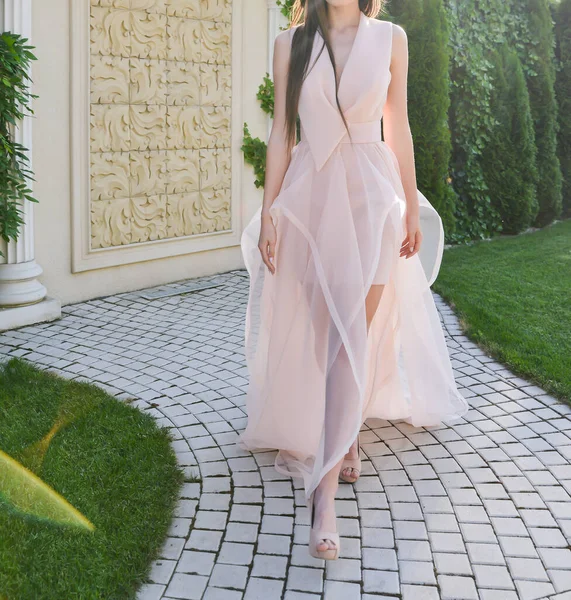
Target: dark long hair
(312, 15)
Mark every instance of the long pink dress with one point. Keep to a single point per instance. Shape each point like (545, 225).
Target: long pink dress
(315, 372)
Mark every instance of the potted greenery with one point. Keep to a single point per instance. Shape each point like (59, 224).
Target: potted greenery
(15, 97)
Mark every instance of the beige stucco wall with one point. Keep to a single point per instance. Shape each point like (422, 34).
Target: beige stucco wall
(52, 164)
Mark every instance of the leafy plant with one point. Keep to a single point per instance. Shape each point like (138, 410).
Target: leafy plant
(266, 95)
(15, 97)
(254, 150)
(286, 7)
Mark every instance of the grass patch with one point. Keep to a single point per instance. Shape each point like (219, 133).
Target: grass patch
(110, 461)
(513, 298)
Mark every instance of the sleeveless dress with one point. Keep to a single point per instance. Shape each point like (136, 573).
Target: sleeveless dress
(315, 371)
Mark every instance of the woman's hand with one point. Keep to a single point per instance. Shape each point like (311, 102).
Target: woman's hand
(411, 243)
(267, 242)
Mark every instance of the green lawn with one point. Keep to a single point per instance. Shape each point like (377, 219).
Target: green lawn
(513, 296)
(110, 461)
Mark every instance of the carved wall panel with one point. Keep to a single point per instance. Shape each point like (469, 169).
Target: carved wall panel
(160, 135)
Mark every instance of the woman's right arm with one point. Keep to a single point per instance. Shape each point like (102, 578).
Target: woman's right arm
(278, 154)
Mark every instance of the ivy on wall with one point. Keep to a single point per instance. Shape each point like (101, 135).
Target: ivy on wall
(475, 26)
(255, 149)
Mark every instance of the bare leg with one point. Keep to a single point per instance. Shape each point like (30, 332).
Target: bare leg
(371, 305)
(324, 502)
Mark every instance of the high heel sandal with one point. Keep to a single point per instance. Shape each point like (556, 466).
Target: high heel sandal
(352, 463)
(316, 536)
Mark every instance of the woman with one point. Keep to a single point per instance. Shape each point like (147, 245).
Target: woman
(341, 324)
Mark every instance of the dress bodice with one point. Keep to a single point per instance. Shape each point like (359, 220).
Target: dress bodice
(362, 92)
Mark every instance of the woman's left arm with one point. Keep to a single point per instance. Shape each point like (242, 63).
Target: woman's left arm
(397, 135)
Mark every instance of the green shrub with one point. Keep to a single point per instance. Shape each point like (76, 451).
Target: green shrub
(509, 160)
(428, 99)
(563, 94)
(537, 56)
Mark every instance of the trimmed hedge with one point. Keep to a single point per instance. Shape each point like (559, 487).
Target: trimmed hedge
(427, 30)
(563, 95)
(509, 160)
(537, 55)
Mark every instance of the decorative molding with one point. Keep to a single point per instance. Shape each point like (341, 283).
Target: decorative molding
(22, 297)
(156, 129)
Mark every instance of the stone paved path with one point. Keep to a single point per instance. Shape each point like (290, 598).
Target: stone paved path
(480, 510)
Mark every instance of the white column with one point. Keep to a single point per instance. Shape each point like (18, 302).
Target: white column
(276, 21)
(23, 299)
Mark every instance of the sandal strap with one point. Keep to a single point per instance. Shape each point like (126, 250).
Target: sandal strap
(327, 535)
(352, 464)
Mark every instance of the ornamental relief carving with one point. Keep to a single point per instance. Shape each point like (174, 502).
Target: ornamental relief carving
(160, 119)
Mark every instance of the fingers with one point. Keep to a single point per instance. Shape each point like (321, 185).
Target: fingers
(411, 245)
(267, 251)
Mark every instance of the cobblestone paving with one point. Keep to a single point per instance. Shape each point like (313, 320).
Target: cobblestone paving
(480, 510)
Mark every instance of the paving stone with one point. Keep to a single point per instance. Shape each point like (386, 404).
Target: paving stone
(493, 576)
(419, 592)
(274, 544)
(305, 579)
(378, 538)
(241, 532)
(236, 554)
(214, 593)
(269, 566)
(277, 525)
(453, 587)
(561, 579)
(229, 576)
(161, 571)
(338, 590)
(436, 522)
(498, 595)
(413, 550)
(380, 559)
(172, 548)
(263, 589)
(200, 563)
(487, 499)
(186, 587)
(343, 569)
(478, 532)
(417, 572)
(446, 542)
(381, 582)
(533, 590)
(291, 595)
(201, 539)
(518, 546)
(452, 564)
(555, 558)
(410, 530)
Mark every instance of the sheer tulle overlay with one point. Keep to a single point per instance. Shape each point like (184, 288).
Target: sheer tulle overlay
(316, 372)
